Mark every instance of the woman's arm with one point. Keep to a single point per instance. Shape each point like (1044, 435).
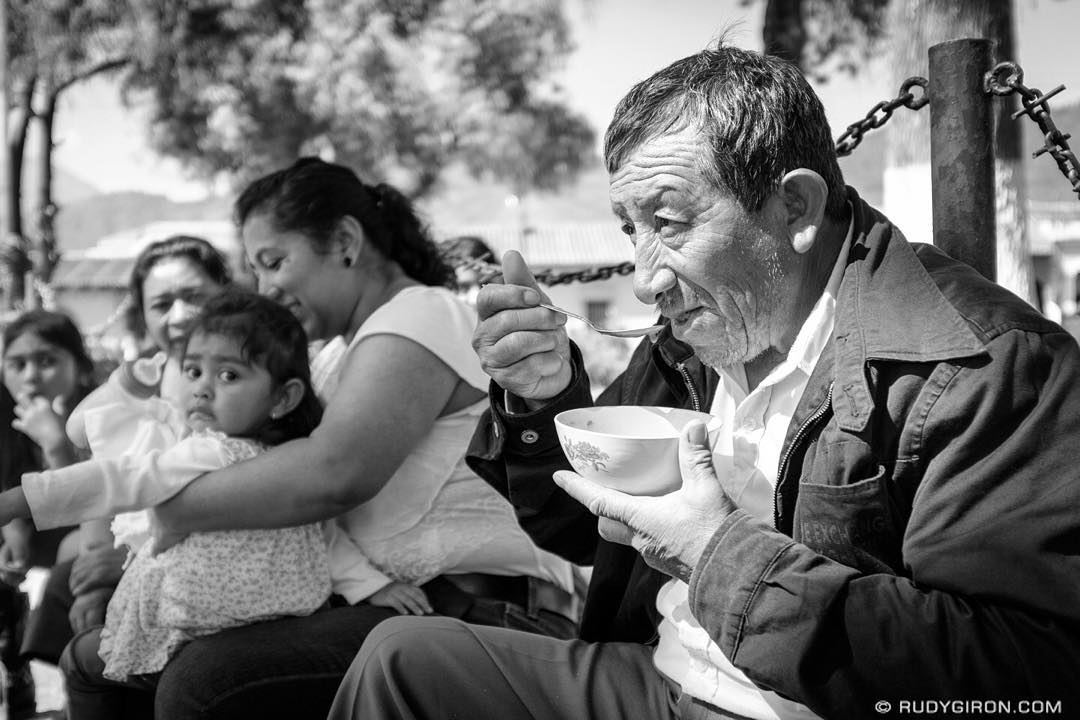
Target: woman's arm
(391, 392)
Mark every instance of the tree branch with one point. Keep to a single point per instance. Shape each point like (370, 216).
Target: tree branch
(104, 66)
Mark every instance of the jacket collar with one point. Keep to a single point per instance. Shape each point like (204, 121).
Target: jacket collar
(888, 308)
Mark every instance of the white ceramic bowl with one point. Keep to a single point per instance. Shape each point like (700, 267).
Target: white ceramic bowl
(633, 449)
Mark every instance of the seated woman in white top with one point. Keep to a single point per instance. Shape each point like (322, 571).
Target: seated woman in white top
(402, 390)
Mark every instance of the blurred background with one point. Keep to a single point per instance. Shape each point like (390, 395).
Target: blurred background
(130, 120)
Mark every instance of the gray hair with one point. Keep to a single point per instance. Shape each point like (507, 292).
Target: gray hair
(756, 113)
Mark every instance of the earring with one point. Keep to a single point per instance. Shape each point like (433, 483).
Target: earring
(348, 261)
(273, 414)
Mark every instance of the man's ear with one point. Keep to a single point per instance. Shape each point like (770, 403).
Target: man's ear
(289, 396)
(349, 239)
(805, 195)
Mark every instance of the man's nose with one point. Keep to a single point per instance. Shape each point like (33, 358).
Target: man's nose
(651, 280)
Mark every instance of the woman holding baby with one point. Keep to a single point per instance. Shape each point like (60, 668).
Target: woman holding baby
(417, 531)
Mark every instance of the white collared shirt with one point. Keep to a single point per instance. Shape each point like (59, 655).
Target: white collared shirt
(747, 459)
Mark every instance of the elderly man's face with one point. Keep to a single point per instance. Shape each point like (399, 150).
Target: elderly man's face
(720, 273)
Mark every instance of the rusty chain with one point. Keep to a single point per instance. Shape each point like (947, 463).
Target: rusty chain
(1006, 78)
(905, 98)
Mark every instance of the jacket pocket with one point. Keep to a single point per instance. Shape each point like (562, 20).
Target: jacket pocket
(850, 522)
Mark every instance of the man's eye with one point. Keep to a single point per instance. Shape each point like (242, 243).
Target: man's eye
(272, 263)
(660, 222)
(627, 229)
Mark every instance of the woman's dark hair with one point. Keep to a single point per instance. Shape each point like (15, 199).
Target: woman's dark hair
(199, 251)
(311, 196)
(269, 336)
(20, 454)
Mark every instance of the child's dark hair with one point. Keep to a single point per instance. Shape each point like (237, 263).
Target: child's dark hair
(270, 337)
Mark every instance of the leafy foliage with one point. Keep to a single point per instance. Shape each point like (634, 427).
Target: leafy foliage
(833, 35)
(395, 88)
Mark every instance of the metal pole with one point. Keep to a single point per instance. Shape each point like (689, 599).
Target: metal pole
(962, 153)
(7, 277)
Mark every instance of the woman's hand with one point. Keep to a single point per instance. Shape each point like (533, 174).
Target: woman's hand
(96, 569)
(88, 610)
(405, 598)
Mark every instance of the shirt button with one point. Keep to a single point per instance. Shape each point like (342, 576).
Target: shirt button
(529, 437)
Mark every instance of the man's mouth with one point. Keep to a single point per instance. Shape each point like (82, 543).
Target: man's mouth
(681, 317)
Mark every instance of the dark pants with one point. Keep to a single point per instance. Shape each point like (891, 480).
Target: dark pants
(48, 629)
(285, 669)
(433, 668)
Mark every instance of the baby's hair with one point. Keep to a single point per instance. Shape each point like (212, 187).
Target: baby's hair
(269, 336)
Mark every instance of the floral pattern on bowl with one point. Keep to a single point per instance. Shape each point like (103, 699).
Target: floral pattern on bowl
(586, 453)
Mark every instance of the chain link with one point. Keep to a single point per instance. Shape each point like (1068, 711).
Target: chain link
(1006, 78)
(905, 98)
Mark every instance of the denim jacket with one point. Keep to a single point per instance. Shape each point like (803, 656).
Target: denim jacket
(926, 534)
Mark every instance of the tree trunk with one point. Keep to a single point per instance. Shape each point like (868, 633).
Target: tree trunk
(916, 26)
(13, 256)
(43, 255)
(22, 113)
(784, 34)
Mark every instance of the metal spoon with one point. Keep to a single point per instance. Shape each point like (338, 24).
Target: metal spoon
(633, 333)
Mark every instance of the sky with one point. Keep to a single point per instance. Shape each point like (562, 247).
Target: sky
(618, 43)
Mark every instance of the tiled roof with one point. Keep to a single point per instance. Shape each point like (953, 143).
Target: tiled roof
(108, 263)
(129, 243)
(90, 273)
(561, 246)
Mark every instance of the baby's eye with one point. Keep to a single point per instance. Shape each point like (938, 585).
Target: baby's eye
(192, 372)
(228, 375)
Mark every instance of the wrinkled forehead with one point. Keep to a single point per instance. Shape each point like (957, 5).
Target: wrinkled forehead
(667, 161)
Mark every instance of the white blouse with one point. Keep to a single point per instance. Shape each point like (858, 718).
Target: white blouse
(434, 516)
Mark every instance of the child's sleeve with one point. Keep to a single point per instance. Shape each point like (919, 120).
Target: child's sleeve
(352, 575)
(102, 487)
(128, 388)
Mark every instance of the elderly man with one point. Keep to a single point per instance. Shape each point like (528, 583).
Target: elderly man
(899, 522)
